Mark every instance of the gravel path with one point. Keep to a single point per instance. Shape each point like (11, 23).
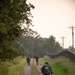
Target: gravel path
(27, 68)
(39, 69)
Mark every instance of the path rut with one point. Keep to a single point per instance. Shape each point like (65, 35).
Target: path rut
(27, 68)
(39, 69)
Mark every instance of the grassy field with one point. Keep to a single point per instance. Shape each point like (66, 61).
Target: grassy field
(14, 67)
(3, 69)
(60, 66)
(63, 66)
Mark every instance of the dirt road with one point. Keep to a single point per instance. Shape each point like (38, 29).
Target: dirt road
(27, 68)
(39, 69)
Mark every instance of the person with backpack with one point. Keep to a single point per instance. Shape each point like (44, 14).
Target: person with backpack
(37, 59)
(28, 60)
(46, 69)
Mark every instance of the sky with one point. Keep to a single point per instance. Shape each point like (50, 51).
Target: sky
(54, 17)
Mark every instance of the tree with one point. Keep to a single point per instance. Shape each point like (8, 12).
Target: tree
(40, 46)
(13, 13)
(50, 45)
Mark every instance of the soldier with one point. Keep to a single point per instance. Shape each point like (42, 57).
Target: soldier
(46, 69)
(28, 60)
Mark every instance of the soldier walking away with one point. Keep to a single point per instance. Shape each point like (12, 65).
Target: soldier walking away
(46, 69)
(37, 59)
(28, 60)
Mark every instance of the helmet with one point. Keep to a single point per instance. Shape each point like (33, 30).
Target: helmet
(46, 62)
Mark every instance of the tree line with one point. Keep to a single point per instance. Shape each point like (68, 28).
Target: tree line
(18, 39)
(40, 46)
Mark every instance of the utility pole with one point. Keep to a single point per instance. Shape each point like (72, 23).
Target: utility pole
(72, 36)
(63, 41)
(72, 40)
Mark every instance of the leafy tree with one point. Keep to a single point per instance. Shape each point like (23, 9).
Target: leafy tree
(8, 53)
(13, 13)
(39, 46)
(57, 47)
(51, 45)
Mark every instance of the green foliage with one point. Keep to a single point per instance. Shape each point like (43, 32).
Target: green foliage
(42, 61)
(13, 13)
(62, 69)
(8, 53)
(20, 48)
(16, 67)
(62, 66)
(40, 46)
(51, 45)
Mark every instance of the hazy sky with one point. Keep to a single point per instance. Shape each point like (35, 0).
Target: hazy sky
(53, 17)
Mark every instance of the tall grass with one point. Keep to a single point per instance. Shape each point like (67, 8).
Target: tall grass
(14, 67)
(41, 61)
(17, 66)
(60, 66)
(3, 69)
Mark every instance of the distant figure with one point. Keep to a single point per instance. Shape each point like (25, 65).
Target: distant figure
(46, 69)
(37, 59)
(28, 60)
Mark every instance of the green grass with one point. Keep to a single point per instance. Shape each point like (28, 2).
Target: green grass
(14, 67)
(60, 66)
(41, 61)
(3, 69)
(17, 66)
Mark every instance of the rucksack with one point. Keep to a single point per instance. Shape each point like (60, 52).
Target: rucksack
(46, 69)
(28, 59)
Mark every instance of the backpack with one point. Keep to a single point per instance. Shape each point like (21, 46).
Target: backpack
(46, 69)
(28, 59)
